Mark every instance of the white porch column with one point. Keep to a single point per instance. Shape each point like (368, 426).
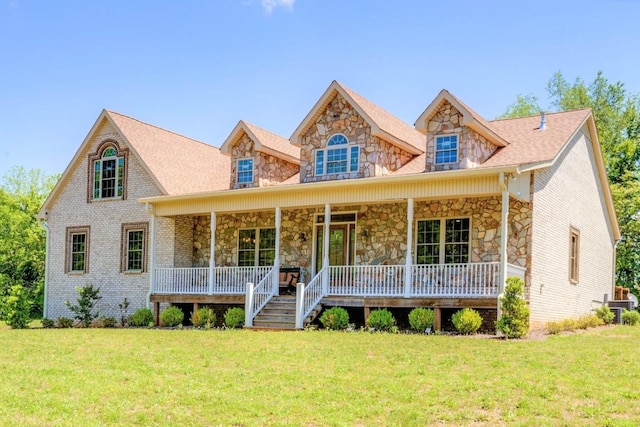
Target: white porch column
(504, 222)
(152, 253)
(408, 276)
(325, 248)
(212, 254)
(276, 261)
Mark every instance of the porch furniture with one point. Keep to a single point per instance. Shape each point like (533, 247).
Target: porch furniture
(288, 279)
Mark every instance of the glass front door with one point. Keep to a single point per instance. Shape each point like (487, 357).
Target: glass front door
(341, 244)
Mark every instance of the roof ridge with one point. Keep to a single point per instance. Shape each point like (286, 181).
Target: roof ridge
(160, 128)
(547, 113)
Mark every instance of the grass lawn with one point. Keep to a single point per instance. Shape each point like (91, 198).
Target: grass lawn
(192, 377)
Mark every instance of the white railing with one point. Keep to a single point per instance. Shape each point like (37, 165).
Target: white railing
(181, 281)
(226, 280)
(366, 280)
(308, 297)
(456, 280)
(259, 295)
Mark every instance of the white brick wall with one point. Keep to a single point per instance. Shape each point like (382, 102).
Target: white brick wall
(105, 218)
(569, 194)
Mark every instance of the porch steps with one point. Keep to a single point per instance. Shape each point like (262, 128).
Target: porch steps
(280, 313)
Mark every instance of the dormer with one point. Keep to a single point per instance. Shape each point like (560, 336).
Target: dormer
(345, 136)
(457, 137)
(259, 158)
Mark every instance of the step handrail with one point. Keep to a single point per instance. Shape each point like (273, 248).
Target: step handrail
(259, 295)
(308, 296)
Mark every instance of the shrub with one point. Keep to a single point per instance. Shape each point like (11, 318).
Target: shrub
(631, 318)
(141, 317)
(514, 320)
(48, 323)
(605, 313)
(570, 325)
(64, 322)
(83, 311)
(234, 317)
(421, 318)
(466, 321)
(109, 322)
(204, 316)
(381, 320)
(335, 318)
(589, 321)
(124, 309)
(16, 307)
(172, 316)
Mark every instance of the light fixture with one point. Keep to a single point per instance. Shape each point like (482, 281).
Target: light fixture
(365, 233)
(302, 237)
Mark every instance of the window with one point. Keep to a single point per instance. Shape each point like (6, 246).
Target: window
(446, 149)
(77, 253)
(338, 157)
(245, 171)
(107, 172)
(133, 255)
(256, 247)
(443, 241)
(574, 255)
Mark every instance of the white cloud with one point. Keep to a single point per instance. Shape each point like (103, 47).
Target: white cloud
(269, 5)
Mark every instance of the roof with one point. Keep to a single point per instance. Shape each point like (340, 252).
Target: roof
(264, 141)
(383, 124)
(179, 164)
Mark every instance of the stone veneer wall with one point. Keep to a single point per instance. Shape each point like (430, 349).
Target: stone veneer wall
(377, 157)
(386, 229)
(267, 169)
(473, 149)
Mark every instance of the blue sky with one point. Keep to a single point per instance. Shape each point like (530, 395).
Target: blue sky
(197, 67)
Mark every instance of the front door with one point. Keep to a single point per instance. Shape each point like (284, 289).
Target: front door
(341, 244)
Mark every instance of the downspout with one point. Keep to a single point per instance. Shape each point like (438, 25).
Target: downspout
(152, 254)
(43, 223)
(504, 219)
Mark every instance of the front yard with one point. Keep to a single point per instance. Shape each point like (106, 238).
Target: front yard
(239, 377)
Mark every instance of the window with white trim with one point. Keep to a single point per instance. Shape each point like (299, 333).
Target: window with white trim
(256, 247)
(77, 254)
(574, 255)
(446, 149)
(244, 171)
(443, 241)
(338, 157)
(108, 175)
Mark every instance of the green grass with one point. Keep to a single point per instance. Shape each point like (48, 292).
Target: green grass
(193, 377)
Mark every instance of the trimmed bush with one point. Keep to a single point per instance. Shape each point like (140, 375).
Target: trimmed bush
(204, 316)
(48, 323)
(631, 318)
(64, 322)
(141, 317)
(109, 322)
(466, 321)
(335, 318)
(234, 317)
(172, 316)
(514, 320)
(381, 320)
(605, 313)
(421, 318)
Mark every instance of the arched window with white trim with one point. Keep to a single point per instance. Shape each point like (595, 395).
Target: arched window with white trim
(338, 157)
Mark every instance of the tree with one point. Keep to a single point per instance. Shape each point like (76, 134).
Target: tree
(617, 116)
(22, 240)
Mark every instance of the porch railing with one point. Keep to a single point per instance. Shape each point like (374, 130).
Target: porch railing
(308, 297)
(259, 295)
(456, 280)
(366, 280)
(227, 280)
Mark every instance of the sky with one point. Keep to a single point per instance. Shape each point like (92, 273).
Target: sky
(198, 67)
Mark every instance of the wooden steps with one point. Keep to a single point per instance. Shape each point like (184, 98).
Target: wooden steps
(280, 314)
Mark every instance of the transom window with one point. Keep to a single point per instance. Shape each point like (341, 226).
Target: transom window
(446, 149)
(574, 254)
(245, 171)
(133, 256)
(77, 254)
(256, 247)
(443, 241)
(108, 175)
(338, 157)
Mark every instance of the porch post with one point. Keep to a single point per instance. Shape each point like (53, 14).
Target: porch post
(325, 248)
(504, 220)
(276, 261)
(212, 254)
(152, 254)
(408, 273)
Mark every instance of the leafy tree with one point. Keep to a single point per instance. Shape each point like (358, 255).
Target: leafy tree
(514, 321)
(617, 116)
(22, 240)
(14, 308)
(87, 300)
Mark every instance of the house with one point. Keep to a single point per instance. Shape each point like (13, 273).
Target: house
(359, 208)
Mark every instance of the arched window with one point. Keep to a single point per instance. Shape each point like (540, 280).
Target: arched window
(338, 157)
(108, 175)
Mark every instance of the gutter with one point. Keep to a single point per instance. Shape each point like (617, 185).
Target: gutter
(45, 226)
